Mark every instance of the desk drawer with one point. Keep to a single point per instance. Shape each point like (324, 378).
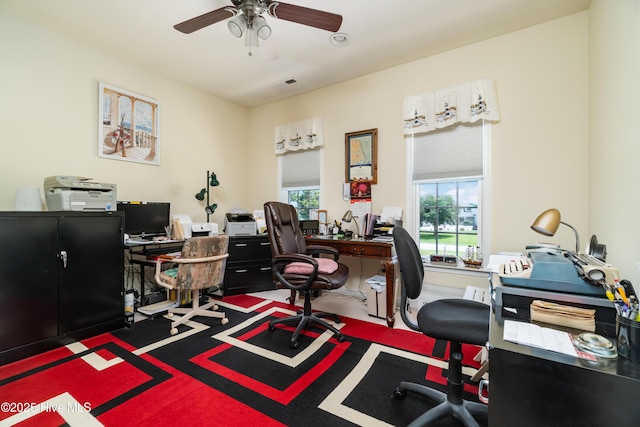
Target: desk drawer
(363, 250)
(249, 249)
(241, 279)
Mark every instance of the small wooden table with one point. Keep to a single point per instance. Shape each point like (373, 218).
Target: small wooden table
(365, 248)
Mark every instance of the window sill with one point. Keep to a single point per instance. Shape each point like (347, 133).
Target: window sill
(458, 268)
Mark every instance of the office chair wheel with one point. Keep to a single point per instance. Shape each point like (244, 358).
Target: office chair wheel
(169, 315)
(215, 307)
(295, 344)
(271, 327)
(174, 331)
(224, 321)
(399, 393)
(340, 338)
(336, 319)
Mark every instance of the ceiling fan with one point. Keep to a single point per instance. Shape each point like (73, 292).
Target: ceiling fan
(247, 19)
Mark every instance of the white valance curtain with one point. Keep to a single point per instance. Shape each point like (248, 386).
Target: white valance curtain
(300, 135)
(466, 102)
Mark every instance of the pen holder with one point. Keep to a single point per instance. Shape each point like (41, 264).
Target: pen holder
(628, 335)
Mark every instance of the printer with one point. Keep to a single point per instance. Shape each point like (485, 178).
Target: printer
(204, 229)
(77, 193)
(189, 229)
(240, 224)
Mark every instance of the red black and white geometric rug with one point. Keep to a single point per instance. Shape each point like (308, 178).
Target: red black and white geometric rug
(229, 375)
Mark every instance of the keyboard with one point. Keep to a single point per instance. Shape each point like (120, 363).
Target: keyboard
(165, 249)
(515, 268)
(138, 240)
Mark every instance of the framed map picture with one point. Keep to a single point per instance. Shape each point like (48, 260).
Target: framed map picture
(361, 151)
(128, 126)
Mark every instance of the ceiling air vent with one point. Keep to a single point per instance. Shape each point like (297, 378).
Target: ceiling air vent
(286, 83)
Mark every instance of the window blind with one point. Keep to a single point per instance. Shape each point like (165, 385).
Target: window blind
(452, 152)
(301, 169)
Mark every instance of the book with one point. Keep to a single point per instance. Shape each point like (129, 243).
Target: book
(178, 232)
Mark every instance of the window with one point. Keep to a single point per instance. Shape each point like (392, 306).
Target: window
(300, 180)
(304, 200)
(448, 216)
(449, 189)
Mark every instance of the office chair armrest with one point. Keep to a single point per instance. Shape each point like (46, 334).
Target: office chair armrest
(279, 262)
(314, 250)
(159, 262)
(197, 260)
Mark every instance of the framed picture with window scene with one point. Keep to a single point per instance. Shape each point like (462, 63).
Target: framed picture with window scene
(128, 127)
(361, 156)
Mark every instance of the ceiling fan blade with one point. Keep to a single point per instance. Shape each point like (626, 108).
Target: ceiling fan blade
(268, 50)
(305, 16)
(205, 20)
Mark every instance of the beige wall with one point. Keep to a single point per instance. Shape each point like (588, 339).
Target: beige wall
(614, 131)
(567, 91)
(49, 125)
(538, 148)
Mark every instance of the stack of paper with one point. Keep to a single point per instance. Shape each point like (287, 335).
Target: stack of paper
(563, 315)
(536, 336)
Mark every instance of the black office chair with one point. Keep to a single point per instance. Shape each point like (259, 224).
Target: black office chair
(455, 320)
(295, 267)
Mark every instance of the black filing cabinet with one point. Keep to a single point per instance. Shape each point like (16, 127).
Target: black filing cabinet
(248, 266)
(61, 279)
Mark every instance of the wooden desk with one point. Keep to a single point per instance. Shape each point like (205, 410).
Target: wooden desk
(381, 251)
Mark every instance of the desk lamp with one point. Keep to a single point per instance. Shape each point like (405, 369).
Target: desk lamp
(347, 217)
(547, 224)
(212, 181)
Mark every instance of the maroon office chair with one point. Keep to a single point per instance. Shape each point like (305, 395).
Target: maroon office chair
(300, 268)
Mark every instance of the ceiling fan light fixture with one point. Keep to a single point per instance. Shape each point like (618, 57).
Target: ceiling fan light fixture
(237, 25)
(262, 29)
(339, 39)
(251, 39)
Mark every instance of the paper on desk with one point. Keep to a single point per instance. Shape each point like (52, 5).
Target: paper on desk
(537, 336)
(378, 283)
(390, 214)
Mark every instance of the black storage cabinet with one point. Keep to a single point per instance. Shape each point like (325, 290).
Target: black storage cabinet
(248, 266)
(61, 279)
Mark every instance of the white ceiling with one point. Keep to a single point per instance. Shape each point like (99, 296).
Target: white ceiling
(383, 34)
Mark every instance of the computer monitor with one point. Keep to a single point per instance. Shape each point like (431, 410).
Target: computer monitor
(145, 218)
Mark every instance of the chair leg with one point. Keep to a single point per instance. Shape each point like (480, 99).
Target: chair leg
(195, 310)
(450, 404)
(443, 410)
(304, 319)
(483, 370)
(483, 358)
(431, 416)
(428, 392)
(335, 317)
(292, 297)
